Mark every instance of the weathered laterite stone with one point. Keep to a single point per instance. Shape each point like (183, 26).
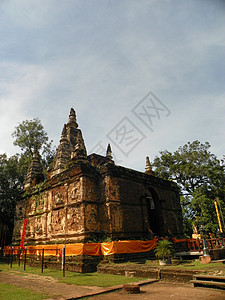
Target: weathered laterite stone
(88, 197)
(131, 288)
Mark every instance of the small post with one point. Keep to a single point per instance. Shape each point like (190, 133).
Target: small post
(19, 251)
(205, 248)
(220, 236)
(11, 257)
(63, 259)
(8, 257)
(25, 258)
(198, 242)
(42, 259)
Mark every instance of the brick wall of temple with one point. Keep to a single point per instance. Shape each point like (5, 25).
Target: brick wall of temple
(83, 201)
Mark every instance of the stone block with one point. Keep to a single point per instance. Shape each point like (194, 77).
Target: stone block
(129, 274)
(131, 288)
(205, 259)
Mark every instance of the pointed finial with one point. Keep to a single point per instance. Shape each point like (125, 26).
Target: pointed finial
(36, 153)
(72, 118)
(64, 131)
(109, 152)
(148, 168)
(64, 134)
(79, 151)
(34, 173)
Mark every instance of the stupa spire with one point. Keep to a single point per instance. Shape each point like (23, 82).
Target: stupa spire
(109, 152)
(71, 145)
(64, 134)
(34, 174)
(148, 168)
(79, 151)
(72, 121)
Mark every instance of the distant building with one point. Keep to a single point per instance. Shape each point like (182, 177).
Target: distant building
(88, 196)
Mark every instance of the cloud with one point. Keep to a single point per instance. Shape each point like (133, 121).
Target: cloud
(20, 84)
(103, 57)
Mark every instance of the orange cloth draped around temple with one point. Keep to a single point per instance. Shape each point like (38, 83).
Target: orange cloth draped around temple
(90, 248)
(128, 247)
(74, 249)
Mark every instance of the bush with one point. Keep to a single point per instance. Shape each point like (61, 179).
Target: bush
(164, 249)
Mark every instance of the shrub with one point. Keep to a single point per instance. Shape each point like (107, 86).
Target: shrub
(164, 249)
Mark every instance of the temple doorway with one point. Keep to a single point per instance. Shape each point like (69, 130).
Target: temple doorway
(152, 204)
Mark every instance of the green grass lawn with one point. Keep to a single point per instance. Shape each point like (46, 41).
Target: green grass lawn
(196, 265)
(190, 265)
(9, 292)
(92, 279)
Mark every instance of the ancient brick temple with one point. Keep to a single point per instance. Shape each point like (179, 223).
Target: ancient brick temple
(88, 196)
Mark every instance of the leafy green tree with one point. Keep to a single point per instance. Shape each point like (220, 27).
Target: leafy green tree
(11, 187)
(201, 178)
(30, 135)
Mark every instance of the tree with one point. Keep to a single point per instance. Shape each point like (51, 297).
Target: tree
(201, 178)
(30, 135)
(11, 187)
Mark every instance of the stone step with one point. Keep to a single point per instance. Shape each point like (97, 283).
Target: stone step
(209, 281)
(211, 284)
(209, 278)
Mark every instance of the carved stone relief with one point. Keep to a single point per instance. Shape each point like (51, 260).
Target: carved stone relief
(58, 221)
(91, 217)
(74, 219)
(74, 192)
(58, 199)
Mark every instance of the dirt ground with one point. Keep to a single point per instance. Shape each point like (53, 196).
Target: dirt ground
(48, 285)
(158, 290)
(163, 291)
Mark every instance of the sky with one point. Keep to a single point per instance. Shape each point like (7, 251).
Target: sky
(144, 76)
